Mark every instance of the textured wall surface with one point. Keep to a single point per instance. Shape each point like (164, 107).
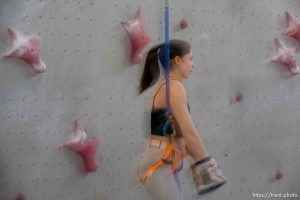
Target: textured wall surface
(89, 78)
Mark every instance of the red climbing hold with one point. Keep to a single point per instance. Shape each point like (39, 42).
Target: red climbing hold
(183, 24)
(239, 97)
(293, 29)
(138, 36)
(279, 175)
(20, 197)
(26, 49)
(85, 146)
(286, 56)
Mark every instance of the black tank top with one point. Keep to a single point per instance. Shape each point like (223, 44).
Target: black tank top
(159, 121)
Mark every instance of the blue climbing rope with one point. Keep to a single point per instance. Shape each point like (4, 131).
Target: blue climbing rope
(167, 56)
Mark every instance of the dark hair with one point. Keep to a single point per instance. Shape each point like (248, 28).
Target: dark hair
(151, 69)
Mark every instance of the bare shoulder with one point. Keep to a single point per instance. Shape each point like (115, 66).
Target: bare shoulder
(177, 90)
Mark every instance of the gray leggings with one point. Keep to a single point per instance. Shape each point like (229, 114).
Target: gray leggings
(164, 184)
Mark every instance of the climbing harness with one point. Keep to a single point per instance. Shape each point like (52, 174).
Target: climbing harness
(170, 156)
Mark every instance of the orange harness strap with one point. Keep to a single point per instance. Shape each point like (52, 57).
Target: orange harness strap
(170, 149)
(170, 152)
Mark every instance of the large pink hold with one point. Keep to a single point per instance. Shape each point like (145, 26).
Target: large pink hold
(286, 56)
(138, 37)
(85, 146)
(293, 29)
(27, 49)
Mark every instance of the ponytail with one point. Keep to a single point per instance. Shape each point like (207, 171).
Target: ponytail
(151, 70)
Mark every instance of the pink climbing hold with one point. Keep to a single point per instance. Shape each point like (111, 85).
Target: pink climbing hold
(26, 49)
(293, 29)
(21, 197)
(286, 56)
(85, 146)
(183, 24)
(239, 97)
(138, 36)
(278, 175)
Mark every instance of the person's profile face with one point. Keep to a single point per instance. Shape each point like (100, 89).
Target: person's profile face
(187, 65)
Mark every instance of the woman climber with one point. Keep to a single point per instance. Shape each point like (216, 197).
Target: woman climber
(173, 136)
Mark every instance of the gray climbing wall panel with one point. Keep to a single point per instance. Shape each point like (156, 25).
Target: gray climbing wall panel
(89, 78)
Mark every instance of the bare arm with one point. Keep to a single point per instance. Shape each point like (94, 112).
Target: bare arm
(178, 100)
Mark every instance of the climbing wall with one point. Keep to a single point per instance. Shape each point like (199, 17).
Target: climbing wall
(89, 78)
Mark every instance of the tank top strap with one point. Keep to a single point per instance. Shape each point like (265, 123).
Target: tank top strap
(158, 91)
